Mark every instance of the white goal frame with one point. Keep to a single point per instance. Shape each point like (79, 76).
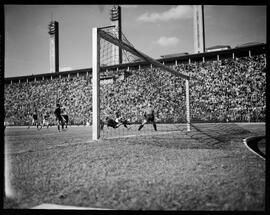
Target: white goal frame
(96, 36)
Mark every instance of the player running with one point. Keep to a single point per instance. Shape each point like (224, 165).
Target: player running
(35, 119)
(59, 118)
(46, 117)
(149, 117)
(65, 117)
(29, 119)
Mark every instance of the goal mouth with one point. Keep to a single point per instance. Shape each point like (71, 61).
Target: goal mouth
(137, 87)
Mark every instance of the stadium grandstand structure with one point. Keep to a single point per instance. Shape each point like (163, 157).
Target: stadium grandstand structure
(104, 41)
(249, 44)
(237, 52)
(242, 70)
(218, 48)
(174, 55)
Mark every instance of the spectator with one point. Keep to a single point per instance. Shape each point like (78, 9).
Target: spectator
(231, 89)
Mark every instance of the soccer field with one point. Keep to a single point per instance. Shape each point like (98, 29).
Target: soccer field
(208, 168)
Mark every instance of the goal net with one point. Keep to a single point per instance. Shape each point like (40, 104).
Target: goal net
(123, 88)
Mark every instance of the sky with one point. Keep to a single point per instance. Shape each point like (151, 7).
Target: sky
(153, 29)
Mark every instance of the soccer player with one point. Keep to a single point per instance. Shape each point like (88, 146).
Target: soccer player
(65, 116)
(29, 119)
(101, 124)
(59, 118)
(149, 117)
(46, 117)
(111, 123)
(121, 121)
(35, 119)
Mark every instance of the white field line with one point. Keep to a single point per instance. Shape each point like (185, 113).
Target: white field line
(64, 207)
(136, 135)
(250, 149)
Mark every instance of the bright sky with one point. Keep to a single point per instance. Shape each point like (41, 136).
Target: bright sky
(153, 29)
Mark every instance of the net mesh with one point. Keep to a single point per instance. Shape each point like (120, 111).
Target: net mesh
(128, 92)
(109, 54)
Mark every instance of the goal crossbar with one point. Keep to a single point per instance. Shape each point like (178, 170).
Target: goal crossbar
(97, 35)
(139, 54)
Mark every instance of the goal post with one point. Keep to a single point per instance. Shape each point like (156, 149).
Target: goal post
(97, 35)
(187, 105)
(95, 84)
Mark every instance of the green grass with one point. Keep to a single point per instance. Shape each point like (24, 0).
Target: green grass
(206, 169)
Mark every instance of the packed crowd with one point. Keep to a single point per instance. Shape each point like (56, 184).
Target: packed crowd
(22, 99)
(229, 89)
(222, 91)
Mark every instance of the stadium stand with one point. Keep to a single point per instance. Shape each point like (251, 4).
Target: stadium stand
(228, 90)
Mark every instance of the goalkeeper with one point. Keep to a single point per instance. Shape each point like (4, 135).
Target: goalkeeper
(110, 123)
(121, 121)
(149, 117)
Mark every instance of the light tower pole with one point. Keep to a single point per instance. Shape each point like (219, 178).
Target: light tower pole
(116, 21)
(54, 46)
(198, 29)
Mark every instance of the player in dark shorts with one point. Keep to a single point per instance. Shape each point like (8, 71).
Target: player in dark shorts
(149, 117)
(59, 118)
(65, 116)
(121, 121)
(35, 119)
(111, 123)
(101, 124)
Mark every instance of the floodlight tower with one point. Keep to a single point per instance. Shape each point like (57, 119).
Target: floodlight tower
(198, 29)
(54, 46)
(117, 22)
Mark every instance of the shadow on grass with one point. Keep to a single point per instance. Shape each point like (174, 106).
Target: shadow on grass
(216, 134)
(201, 136)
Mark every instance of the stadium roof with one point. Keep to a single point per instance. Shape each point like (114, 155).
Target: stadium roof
(174, 55)
(238, 51)
(218, 47)
(248, 44)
